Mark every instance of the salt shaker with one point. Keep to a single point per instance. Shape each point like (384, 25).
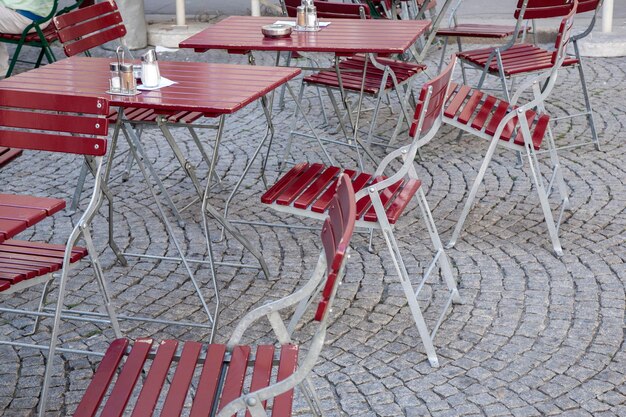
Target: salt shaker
(115, 84)
(129, 85)
(150, 75)
(312, 23)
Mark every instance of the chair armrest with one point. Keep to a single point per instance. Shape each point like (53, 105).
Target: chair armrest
(270, 309)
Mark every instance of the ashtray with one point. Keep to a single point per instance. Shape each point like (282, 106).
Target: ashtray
(276, 31)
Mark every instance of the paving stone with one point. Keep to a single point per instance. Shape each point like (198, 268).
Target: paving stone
(537, 334)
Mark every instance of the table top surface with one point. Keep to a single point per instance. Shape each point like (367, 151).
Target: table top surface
(212, 89)
(240, 34)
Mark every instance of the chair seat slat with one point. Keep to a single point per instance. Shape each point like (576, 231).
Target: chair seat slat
(272, 194)
(235, 376)
(209, 381)
(156, 378)
(127, 379)
(319, 186)
(182, 379)
(296, 187)
(283, 403)
(323, 201)
(262, 372)
(102, 378)
(8, 154)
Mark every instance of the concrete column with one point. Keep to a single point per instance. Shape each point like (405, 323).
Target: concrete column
(255, 7)
(607, 16)
(135, 22)
(180, 13)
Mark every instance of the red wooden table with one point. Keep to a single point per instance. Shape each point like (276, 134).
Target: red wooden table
(241, 34)
(215, 90)
(343, 37)
(212, 89)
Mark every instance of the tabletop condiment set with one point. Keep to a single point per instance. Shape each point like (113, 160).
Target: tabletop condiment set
(306, 17)
(123, 80)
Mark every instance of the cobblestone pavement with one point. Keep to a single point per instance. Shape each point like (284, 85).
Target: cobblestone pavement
(536, 335)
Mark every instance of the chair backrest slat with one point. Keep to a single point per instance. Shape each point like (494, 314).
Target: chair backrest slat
(587, 5)
(336, 234)
(54, 122)
(332, 10)
(92, 26)
(437, 87)
(543, 9)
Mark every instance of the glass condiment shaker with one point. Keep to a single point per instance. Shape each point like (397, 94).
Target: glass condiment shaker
(115, 82)
(150, 75)
(129, 84)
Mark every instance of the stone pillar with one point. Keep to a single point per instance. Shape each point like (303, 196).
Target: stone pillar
(135, 22)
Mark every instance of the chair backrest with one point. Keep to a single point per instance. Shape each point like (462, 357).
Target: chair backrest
(333, 10)
(83, 29)
(542, 9)
(588, 5)
(430, 106)
(564, 35)
(336, 234)
(53, 122)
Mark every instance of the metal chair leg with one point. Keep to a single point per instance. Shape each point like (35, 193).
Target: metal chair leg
(590, 118)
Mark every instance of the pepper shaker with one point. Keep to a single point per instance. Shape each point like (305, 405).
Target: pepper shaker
(129, 84)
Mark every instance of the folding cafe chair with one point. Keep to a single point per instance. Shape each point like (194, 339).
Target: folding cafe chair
(481, 31)
(521, 128)
(373, 76)
(513, 60)
(34, 36)
(306, 190)
(220, 370)
(52, 123)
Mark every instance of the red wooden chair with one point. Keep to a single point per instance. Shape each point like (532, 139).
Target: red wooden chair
(34, 36)
(514, 60)
(218, 372)
(480, 31)
(306, 190)
(379, 76)
(521, 128)
(52, 123)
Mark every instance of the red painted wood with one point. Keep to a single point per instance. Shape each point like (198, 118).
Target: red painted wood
(182, 379)
(484, 112)
(209, 381)
(233, 384)
(317, 188)
(472, 30)
(324, 200)
(342, 36)
(276, 190)
(294, 189)
(4, 285)
(457, 99)
(123, 388)
(263, 364)
(8, 154)
(386, 197)
(48, 251)
(334, 10)
(470, 106)
(210, 89)
(102, 378)
(402, 199)
(152, 386)
(287, 366)
(49, 205)
(83, 14)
